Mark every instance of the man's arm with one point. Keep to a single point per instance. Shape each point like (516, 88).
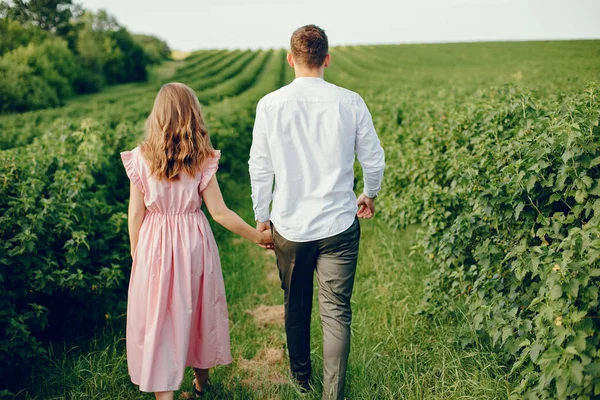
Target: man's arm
(261, 169)
(372, 160)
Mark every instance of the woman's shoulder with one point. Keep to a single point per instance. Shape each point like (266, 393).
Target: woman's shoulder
(213, 160)
(216, 154)
(137, 150)
(133, 153)
(134, 170)
(210, 169)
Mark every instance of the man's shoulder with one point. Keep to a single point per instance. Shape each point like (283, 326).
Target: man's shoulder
(346, 94)
(274, 97)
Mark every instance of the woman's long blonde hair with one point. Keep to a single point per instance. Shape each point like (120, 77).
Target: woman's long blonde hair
(177, 139)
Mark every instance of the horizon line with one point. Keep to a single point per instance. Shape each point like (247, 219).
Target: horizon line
(580, 39)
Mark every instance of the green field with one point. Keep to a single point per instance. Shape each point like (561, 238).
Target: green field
(478, 278)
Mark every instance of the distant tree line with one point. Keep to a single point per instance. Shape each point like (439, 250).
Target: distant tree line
(53, 49)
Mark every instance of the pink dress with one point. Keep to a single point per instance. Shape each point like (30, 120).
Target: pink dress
(176, 307)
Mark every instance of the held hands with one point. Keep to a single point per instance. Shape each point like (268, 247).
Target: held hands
(366, 207)
(266, 240)
(366, 210)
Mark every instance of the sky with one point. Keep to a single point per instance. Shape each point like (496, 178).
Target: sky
(199, 24)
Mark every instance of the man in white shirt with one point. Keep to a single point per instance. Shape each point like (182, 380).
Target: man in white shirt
(305, 136)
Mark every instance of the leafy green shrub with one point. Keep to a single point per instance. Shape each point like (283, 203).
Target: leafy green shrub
(37, 76)
(508, 188)
(41, 66)
(126, 60)
(108, 52)
(63, 238)
(21, 89)
(156, 50)
(14, 34)
(89, 47)
(52, 61)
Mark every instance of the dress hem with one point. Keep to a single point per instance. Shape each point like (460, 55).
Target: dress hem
(212, 365)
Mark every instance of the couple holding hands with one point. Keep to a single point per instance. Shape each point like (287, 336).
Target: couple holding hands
(305, 139)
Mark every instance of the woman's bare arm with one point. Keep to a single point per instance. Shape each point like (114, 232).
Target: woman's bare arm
(135, 215)
(227, 218)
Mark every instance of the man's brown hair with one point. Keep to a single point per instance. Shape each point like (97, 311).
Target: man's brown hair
(309, 46)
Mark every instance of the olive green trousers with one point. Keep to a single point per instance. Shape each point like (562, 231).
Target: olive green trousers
(334, 261)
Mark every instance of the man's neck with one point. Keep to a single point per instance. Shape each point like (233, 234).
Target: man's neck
(309, 72)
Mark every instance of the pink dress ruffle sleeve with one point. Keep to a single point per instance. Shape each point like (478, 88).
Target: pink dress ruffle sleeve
(176, 305)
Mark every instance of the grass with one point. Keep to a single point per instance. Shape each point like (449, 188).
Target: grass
(167, 69)
(395, 353)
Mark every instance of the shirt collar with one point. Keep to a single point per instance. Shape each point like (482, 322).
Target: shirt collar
(308, 79)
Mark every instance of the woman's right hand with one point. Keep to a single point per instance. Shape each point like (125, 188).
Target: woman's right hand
(265, 239)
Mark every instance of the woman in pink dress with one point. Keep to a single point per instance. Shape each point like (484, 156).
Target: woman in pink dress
(176, 310)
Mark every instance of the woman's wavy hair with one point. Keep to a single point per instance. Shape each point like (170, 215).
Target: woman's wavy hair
(177, 139)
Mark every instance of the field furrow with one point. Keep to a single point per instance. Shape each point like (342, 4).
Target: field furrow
(237, 84)
(221, 72)
(211, 67)
(202, 58)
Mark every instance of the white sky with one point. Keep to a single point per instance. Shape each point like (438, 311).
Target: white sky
(189, 25)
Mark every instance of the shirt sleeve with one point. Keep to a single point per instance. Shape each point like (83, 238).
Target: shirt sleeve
(369, 151)
(261, 168)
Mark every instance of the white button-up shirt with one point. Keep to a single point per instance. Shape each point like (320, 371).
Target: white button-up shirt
(305, 136)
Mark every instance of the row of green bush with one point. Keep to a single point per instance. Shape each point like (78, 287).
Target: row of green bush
(508, 190)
